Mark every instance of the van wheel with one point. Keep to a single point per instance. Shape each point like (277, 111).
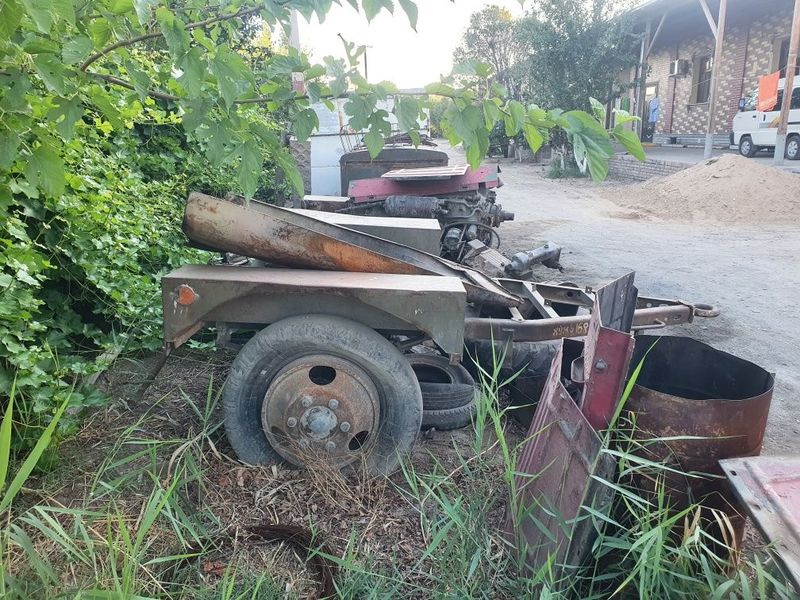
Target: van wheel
(320, 388)
(793, 147)
(746, 147)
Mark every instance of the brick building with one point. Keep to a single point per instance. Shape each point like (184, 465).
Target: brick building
(680, 62)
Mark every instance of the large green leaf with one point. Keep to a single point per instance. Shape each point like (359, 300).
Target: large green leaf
(373, 7)
(407, 110)
(193, 65)
(411, 10)
(304, 123)
(11, 13)
(46, 170)
(250, 166)
(51, 70)
(174, 32)
(233, 75)
(590, 140)
(65, 114)
(41, 12)
(76, 49)
(515, 118)
(629, 140)
(374, 142)
(9, 142)
(289, 168)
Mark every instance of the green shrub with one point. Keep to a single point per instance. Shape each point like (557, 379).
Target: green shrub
(80, 270)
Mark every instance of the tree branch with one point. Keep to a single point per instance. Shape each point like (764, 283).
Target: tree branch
(241, 13)
(122, 83)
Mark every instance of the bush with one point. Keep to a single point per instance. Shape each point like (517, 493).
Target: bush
(80, 269)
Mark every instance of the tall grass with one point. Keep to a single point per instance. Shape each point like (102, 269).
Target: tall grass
(142, 531)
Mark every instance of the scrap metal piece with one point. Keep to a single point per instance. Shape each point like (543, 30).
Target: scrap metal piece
(282, 237)
(603, 367)
(694, 406)
(422, 234)
(562, 466)
(539, 330)
(483, 178)
(558, 472)
(416, 207)
(521, 263)
(238, 295)
(769, 486)
(323, 203)
(426, 173)
(484, 259)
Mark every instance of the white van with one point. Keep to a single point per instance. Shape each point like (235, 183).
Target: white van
(754, 130)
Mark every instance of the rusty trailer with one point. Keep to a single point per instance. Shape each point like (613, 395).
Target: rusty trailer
(334, 310)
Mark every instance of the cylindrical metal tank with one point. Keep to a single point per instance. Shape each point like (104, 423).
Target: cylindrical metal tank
(715, 403)
(358, 164)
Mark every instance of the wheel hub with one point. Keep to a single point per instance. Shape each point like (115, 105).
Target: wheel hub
(323, 407)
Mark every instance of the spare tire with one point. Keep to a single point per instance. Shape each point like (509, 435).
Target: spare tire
(444, 386)
(451, 418)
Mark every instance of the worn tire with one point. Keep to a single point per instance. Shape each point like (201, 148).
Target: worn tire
(274, 347)
(792, 147)
(444, 386)
(747, 148)
(451, 418)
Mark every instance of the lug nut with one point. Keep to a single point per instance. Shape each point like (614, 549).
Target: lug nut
(333, 404)
(307, 401)
(330, 446)
(291, 422)
(345, 427)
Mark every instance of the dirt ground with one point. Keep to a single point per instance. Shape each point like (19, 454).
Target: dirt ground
(749, 271)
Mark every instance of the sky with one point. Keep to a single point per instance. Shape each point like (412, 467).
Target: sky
(397, 53)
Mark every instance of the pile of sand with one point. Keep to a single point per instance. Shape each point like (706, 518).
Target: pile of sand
(726, 189)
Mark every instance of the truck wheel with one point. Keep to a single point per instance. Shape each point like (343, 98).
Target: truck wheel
(746, 147)
(320, 387)
(449, 419)
(443, 385)
(793, 147)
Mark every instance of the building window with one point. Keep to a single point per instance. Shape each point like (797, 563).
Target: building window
(702, 79)
(795, 100)
(781, 56)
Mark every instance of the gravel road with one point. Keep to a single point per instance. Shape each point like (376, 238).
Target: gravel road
(750, 272)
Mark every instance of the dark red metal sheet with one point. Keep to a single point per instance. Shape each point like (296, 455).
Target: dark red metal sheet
(769, 487)
(545, 519)
(604, 365)
(366, 190)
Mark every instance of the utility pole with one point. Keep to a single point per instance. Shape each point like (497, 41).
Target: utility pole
(642, 71)
(715, 74)
(788, 88)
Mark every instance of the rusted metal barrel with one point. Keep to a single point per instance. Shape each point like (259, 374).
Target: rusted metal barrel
(716, 401)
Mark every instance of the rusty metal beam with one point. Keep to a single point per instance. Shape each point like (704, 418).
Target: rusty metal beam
(282, 237)
(540, 330)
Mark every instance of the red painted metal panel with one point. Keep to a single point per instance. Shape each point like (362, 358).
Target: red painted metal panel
(769, 487)
(365, 190)
(426, 173)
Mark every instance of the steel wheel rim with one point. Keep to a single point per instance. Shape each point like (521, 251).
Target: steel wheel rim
(792, 148)
(746, 147)
(321, 407)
